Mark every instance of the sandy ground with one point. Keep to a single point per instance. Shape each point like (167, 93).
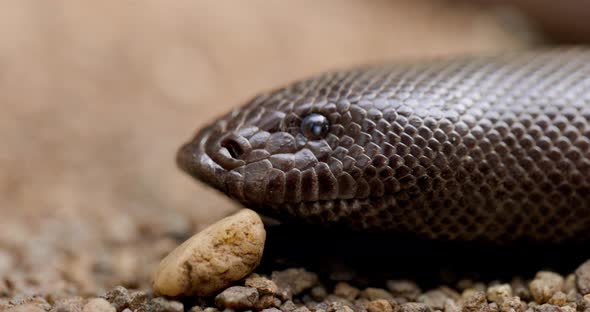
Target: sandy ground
(96, 97)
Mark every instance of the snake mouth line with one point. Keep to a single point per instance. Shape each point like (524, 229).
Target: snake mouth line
(193, 159)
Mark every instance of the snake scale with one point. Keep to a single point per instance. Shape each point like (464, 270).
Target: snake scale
(476, 148)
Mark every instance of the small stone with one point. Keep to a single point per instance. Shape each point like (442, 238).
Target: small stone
(267, 301)
(293, 281)
(583, 303)
(572, 296)
(372, 293)
(404, 288)
(568, 308)
(200, 309)
(288, 306)
(499, 293)
(265, 286)
(583, 278)
(98, 305)
(451, 306)
(318, 293)
(73, 304)
(338, 307)
(25, 300)
(415, 307)
(435, 298)
(493, 307)
(301, 309)
(344, 290)
(546, 308)
(474, 301)
(333, 298)
(163, 305)
(118, 297)
(28, 307)
(512, 304)
(213, 259)
(271, 310)
(379, 305)
(363, 303)
(450, 293)
(464, 284)
(237, 297)
(570, 283)
(558, 299)
(139, 300)
(520, 288)
(545, 285)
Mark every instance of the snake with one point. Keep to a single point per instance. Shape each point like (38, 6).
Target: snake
(492, 147)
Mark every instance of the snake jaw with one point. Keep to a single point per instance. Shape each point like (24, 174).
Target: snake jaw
(193, 159)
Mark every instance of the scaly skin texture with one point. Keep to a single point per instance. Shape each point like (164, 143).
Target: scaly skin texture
(493, 148)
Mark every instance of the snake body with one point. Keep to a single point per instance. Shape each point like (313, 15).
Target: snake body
(486, 148)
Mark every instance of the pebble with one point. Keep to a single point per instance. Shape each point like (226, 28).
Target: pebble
(98, 305)
(267, 301)
(499, 293)
(547, 308)
(338, 307)
(199, 309)
(570, 283)
(237, 297)
(118, 297)
(288, 306)
(512, 304)
(162, 305)
(545, 285)
(558, 299)
(318, 293)
(415, 307)
(344, 290)
(379, 305)
(29, 307)
(583, 303)
(26, 300)
(73, 304)
(292, 282)
(493, 307)
(520, 288)
(213, 259)
(122, 299)
(451, 306)
(404, 288)
(474, 301)
(264, 285)
(583, 278)
(373, 293)
(435, 298)
(568, 308)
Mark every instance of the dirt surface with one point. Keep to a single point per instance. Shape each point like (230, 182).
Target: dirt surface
(96, 98)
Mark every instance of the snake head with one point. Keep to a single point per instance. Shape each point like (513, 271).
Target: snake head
(293, 149)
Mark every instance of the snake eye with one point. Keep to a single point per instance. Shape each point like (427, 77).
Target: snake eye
(315, 126)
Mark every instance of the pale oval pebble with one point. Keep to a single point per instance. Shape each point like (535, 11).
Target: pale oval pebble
(214, 258)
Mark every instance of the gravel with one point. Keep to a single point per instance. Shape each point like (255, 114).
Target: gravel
(551, 292)
(583, 278)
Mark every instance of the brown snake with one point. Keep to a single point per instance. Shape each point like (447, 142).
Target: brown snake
(490, 148)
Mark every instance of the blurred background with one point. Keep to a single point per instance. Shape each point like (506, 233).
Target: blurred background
(96, 97)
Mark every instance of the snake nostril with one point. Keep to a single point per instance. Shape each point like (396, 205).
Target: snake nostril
(234, 148)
